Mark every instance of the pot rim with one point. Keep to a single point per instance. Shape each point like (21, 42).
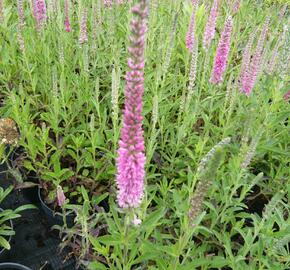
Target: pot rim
(11, 265)
(47, 207)
(10, 236)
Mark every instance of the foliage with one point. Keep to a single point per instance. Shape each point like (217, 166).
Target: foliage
(6, 216)
(66, 99)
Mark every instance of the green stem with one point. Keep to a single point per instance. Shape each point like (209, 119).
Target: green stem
(126, 240)
(182, 243)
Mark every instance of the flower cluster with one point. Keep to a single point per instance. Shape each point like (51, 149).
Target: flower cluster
(108, 3)
(206, 172)
(236, 6)
(39, 12)
(190, 35)
(66, 16)
(220, 62)
(83, 28)
(254, 66)
(131, 157)
(20, 13)
(210, 26)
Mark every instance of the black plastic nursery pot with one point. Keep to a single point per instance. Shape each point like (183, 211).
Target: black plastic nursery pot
(34, 244)
(29, 193)
(12, 266)
(54, 218)
(3, 251)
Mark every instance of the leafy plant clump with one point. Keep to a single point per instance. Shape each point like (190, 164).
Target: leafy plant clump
(6, 217)
(161, 126)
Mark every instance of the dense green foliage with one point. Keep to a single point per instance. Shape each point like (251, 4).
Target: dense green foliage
(60, 95)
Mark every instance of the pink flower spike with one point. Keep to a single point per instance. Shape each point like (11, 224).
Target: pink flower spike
(108, 3)
(210, 26)
(83, 28)
(246, 59)
(190, 36)
(236, 6)
(131, 157)
(39, 12)
(20, 13)
(66, 16)
(221, 58)
(60, 196)
(287, 96)
(254, 68)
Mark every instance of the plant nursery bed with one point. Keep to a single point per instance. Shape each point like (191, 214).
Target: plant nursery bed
(34, 243)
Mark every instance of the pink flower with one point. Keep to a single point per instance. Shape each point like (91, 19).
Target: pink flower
(221, 58)
(210, 26)
(66, 16)
(108, 3)
(246, 59)
(131, 157)
(287, 96)
(254, 67)
(136, 221)
(190, 36)
(20, 12)
(236, 6)
(83, 28)
(39, 12)
(60, 196)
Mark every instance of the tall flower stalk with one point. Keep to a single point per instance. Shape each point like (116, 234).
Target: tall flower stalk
(20, 10)
(170, 46)
(66, 16)
(275, 53)
(209, 31)
(131, 156)
(246, 59)
(190, 35)
(39, 12)
(192, 73)
(83, 28)
(108, 3)
(221, 58)
(236, 6)
(254, 67)
(248, 156)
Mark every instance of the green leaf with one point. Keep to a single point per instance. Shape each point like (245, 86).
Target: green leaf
(4, 243)
(216, 261)
(151, 221)
(146, 257)
(97, 246)
(110, 239)
(5, 193)
(97, 199)
(24, 207)
(97, 266)
(8, 232)
(153, 218)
